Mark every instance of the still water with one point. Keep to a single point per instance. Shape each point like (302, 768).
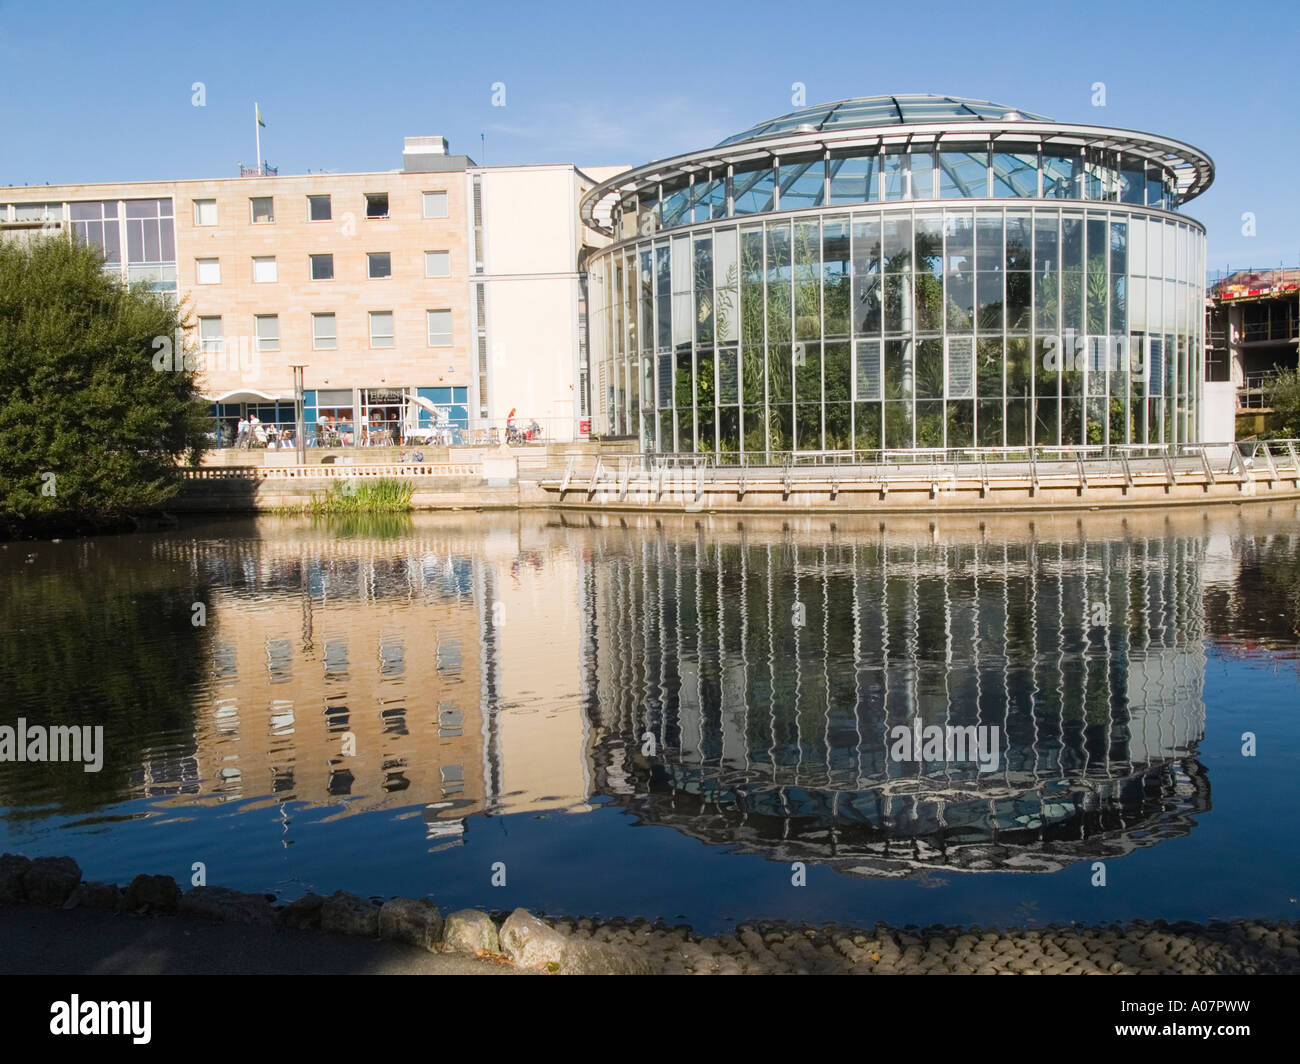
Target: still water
(665, 717)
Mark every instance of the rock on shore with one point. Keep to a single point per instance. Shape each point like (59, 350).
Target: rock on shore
(635, 947)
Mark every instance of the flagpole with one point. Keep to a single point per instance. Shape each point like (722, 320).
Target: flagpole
(257, 132)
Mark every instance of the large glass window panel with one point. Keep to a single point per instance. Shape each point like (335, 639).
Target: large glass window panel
(929, 423)
(754, 427)
(808, 372)
(646, 296)
(1072, 428)
(1101, 174)
(1098, 286)
(1118, 277)
(663, 297)
(991, 315)
(989, 367)
(1015, 174)
(898, 305)
(837, 281)
(897, 242)
(837, 387)
(989, 422)
(893, 175)
(898, 424)
(780, 373)
(1019, 299)
(1049, 355)
(665, 374)
(780, 427)
(921, 167)
(1154, 187)
(837, 427)
(899, 370)
(1062, 174)
(1018, 423)
(726, 281)
(807, 281)
(1155, 247)
(729, 430)
(963, 174)
(852, 179)
(676, 203)
(866, 426)
(1019, 241)
(959, 269)
(704, 289)
(960, 424)
(1047, 249)
(802, 184)
(779, 274)
(1047, 421)
(808, 427)
(929, 369)
(866, 274)
(989, 253)
(706, 397)
(753, 186)
(1020, 370)
(929, 242)
(683, 308)
(1132, 180)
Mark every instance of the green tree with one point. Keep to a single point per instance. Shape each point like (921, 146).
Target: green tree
(90, 430)
(1284, 398)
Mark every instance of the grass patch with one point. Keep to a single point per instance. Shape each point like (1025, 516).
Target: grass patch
(350, 496)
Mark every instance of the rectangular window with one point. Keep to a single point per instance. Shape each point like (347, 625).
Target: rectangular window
(210, 337)
(264, 269)
(376, 204)
(435, 205)
(205, 212)
(262, 209)
(267, 327)
(43, 212)
(437, 264)
(379, 264)
(324, 335)
(381, 328)
(207, 271)
(322, 267)
(318, 209)
(150, 235)
(439, 328)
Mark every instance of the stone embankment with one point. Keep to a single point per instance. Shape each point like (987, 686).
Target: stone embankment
(638, 947)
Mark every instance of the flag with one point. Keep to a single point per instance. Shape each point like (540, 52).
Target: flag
(257, 112)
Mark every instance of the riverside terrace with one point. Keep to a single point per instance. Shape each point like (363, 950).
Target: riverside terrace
(925, 480)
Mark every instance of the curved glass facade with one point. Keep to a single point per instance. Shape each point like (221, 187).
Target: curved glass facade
(976, 296)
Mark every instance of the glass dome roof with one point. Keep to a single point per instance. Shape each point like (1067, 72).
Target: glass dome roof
(909, 109)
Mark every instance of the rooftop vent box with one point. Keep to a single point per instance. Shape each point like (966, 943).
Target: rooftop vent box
(424, 153)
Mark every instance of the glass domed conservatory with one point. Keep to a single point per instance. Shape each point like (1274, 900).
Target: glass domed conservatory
(900, 272)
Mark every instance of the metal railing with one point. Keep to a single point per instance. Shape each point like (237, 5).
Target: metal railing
(1256, 390)
(1085, 466)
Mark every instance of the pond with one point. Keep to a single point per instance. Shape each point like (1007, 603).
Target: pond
(699, 718)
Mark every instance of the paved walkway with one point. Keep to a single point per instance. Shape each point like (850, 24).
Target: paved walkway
(91, 942)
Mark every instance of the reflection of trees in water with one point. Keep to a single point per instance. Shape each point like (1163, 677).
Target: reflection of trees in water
(105, 640)
(1262, 605)
(771, 677)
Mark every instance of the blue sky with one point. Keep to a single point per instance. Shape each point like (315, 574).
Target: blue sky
(102, 92)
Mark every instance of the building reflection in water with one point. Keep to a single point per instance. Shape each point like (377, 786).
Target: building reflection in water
(737, 681)
(747, 688)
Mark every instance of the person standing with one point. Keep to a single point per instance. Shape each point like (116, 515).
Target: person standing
(241, 436)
